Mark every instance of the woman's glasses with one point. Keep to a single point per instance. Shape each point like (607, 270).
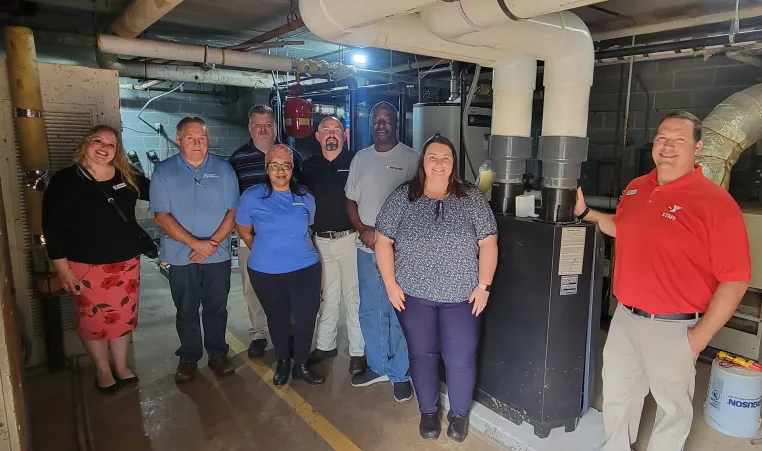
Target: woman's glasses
(280, 166)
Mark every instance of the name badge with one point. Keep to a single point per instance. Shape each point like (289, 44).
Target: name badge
(120, 186)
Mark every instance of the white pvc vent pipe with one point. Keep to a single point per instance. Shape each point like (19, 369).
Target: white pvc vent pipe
(513, 85)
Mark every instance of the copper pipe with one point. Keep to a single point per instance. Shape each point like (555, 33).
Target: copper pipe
(268, 35)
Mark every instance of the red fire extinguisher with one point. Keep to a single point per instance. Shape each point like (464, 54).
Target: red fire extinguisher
(297, 117)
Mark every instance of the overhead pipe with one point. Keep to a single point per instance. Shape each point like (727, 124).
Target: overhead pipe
(683, 22)
(190, 74)
(272, 34)
(563, 42)
(140, 15)
(698, 43)
(733, 126)
(116, 45)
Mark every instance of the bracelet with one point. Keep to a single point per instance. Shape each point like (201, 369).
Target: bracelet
(584, 213)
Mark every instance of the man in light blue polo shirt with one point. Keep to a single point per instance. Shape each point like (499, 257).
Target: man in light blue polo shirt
(194, 195)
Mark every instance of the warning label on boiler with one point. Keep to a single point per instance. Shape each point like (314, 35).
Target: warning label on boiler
(572, 251)
(569, 285)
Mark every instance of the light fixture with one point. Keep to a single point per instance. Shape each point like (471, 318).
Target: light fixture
(359, 58)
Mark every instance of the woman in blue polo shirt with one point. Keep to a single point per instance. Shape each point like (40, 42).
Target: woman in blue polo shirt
(273, 219)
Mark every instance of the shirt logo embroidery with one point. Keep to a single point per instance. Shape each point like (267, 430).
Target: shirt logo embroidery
(673, 209)
(631, 192)
(211, 176)
(342, 170)
(395, 168)
(295, 204)
(120, 186)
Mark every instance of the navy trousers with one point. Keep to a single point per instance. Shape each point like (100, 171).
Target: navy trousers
(206, 286)
(452, 331)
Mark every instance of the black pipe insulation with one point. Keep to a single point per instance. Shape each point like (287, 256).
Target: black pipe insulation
(676, 46)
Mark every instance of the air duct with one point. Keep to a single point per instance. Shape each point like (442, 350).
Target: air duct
(213, 56)
(140, 15)
(733, 126)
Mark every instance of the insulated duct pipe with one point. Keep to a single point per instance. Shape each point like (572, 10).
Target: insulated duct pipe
(733, 126)
(513, 84)
(209, 55)
(140, 15)
(563, 41)
(190, 74)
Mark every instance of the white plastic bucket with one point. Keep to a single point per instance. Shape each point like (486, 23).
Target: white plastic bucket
(733, 398)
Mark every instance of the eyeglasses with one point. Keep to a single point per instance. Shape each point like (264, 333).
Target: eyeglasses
(280, 166)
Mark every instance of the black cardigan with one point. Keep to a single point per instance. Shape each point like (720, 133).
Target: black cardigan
(81, 225)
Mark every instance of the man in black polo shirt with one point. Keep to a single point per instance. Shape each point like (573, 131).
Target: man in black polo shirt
(249, 165)
(325, 174)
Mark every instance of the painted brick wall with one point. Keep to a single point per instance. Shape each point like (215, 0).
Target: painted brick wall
(691, 84)
(223, 109)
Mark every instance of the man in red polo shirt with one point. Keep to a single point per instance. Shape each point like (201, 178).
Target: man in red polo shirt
(682, 266)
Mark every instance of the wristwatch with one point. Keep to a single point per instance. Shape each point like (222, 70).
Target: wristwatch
(485, 287)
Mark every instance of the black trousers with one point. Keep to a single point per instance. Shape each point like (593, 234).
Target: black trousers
(206, 286)
(291, 295)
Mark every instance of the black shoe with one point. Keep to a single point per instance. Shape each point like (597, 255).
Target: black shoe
(110, 390)
(403, 391)
(458, 429)
(132, 380)
(282, 368)
(305, 373)
(257, 348)
(318, 355)
(357, 365)
(368, 377)
(430, 426)
(221, 365)
(186, 372)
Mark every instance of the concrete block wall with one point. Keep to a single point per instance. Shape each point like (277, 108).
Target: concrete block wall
(691, 84)
(223, 109)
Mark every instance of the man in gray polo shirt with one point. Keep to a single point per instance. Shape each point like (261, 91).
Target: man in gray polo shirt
(373, 174)
(194, 195)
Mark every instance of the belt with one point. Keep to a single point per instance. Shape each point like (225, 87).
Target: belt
(672, 317)
(334, 235)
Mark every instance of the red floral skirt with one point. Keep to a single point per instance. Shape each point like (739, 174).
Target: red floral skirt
(108, 306)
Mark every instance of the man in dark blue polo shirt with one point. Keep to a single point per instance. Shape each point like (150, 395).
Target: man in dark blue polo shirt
(249, 165)
(325, 174)
(194, 196)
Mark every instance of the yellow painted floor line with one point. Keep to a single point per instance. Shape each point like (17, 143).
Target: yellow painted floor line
(315, 420)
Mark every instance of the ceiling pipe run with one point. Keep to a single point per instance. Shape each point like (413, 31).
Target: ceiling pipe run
(190, 74)
(140, 15)
(683, 22)
(116, 45)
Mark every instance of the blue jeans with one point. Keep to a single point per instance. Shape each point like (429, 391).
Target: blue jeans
(206, 286)
(385, 345)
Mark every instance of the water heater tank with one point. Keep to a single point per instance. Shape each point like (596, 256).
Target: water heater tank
(297, 117)
(444, 118)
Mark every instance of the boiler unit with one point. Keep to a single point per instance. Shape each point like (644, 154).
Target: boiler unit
(445, 118)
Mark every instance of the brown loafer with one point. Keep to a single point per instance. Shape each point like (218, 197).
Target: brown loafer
(186, 372)
(221, 365)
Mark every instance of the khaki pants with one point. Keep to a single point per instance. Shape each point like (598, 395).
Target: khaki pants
(339, 260)
(643, 354)
(256, 312)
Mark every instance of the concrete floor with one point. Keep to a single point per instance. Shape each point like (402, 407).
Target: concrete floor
(244, 412)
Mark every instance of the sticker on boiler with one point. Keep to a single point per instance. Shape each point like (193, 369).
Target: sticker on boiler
(569, 285)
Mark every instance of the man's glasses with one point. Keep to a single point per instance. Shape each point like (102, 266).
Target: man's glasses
(280, 166)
